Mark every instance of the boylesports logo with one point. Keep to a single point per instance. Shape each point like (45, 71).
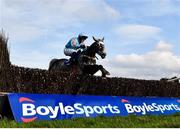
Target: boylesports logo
(145, 108)
(30, 110)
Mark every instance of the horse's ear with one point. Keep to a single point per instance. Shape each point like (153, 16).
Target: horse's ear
(95, 39)
(103, 39)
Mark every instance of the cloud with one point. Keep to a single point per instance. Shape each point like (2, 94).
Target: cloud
(32, 18)
(33, 59)
(163, 47)
(158, 63)
(137, 32)
(163, 7)
(152, 8)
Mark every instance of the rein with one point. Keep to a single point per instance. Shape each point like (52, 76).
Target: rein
(96, 57)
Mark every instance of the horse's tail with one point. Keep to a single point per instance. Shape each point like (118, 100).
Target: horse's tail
(54, 63)
(51, 64)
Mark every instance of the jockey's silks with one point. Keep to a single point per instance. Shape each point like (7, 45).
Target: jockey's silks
(73, 44)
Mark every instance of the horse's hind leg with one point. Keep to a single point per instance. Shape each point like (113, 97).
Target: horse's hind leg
(51, 64)
(104, 71)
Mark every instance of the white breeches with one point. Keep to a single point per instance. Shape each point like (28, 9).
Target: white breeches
(68, 51)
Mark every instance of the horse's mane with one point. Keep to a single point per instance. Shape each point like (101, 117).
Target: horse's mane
(90, 50)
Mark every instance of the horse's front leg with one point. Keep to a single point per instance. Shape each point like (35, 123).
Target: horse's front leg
(92, 69)
(104, 71)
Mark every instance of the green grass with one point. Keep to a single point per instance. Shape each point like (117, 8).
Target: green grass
(131, 121)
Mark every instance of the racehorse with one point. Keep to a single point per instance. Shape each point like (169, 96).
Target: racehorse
(86, 62)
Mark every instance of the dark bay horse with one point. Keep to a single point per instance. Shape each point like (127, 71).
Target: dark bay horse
(86, 63)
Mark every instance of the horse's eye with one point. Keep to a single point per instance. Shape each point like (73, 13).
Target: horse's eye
(102, 46)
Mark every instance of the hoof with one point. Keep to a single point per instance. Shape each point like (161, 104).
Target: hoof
(105, 73)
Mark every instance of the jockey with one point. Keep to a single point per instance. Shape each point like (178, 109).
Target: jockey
(74, 46)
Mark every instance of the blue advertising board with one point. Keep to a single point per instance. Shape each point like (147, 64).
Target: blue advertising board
(31, 107)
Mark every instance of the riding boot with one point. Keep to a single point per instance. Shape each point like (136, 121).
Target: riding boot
(70, 61)
(73, 58)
